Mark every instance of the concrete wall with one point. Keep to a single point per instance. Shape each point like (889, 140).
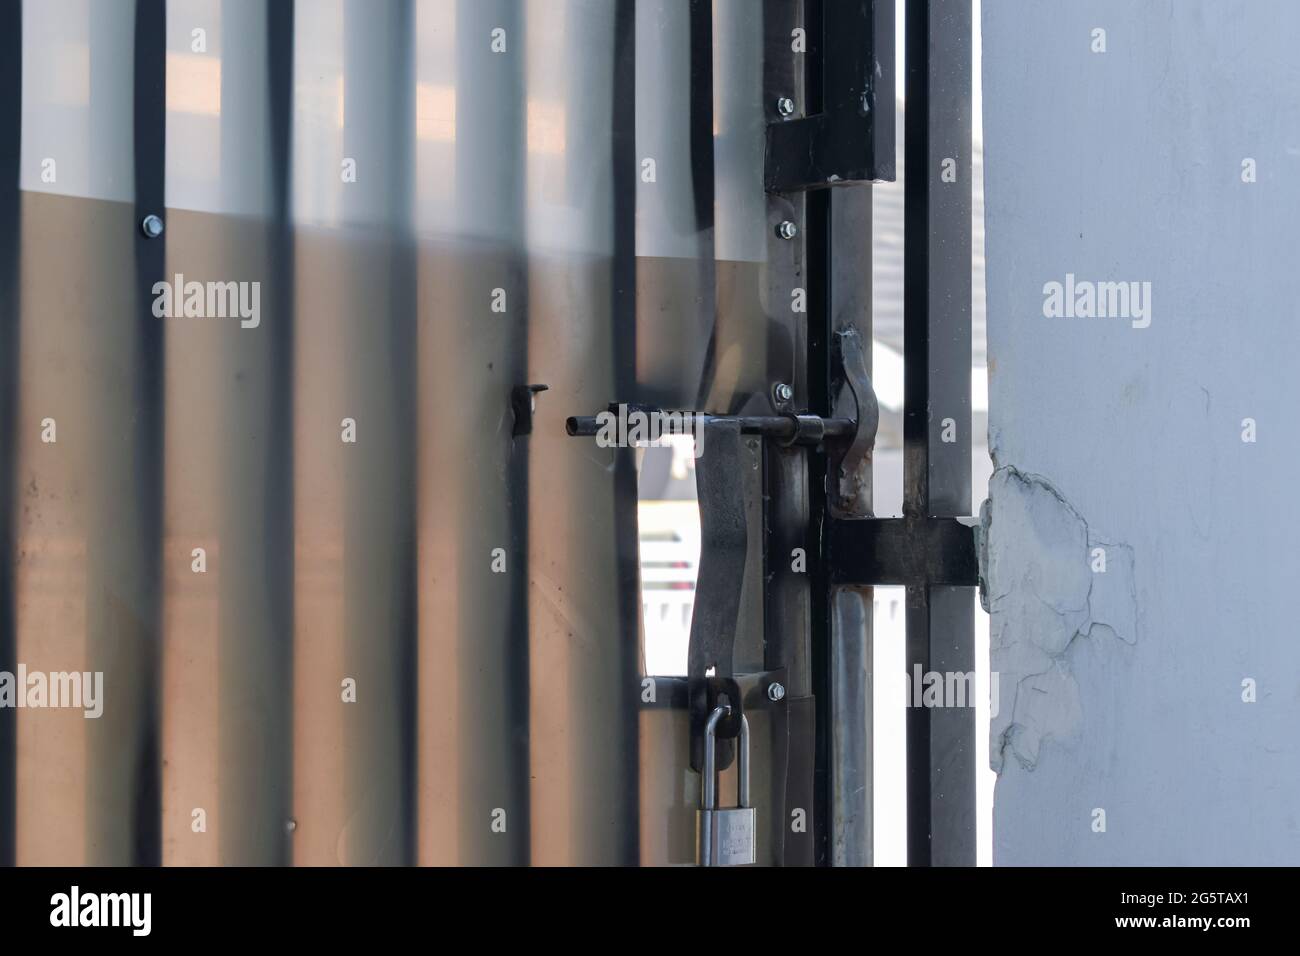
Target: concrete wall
(1163, 691)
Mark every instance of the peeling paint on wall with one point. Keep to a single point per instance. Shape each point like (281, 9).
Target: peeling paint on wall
(1049, 581)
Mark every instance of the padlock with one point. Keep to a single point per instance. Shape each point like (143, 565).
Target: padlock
(724, 836)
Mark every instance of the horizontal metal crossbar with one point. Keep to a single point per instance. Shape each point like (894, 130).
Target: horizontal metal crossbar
(904, 551)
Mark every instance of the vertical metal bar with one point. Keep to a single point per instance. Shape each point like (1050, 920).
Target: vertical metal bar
(624, 182)
(787, 490)
(839, 624)
(817, 249)
(851, 727)
(788, 493)
(11, 121)
(787, 631)
(936, 424)
(703, 182)
(788, 614)
(623, 288)
(850, 689)
(849, 306)
(839, 281)
(701, 107)
(849, 310)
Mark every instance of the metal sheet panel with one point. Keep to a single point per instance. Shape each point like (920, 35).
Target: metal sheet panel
(344, 614)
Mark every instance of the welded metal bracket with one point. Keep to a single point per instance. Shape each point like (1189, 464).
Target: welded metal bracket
(914, 551)
(852, 139)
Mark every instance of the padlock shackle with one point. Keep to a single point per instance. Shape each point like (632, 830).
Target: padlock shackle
(711, 759)
(710, 782)
(742, 786)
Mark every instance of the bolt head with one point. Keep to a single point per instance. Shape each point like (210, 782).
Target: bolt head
(785, 106)
(151, 226)
(787, 230)
(783, 392)
(775, 691)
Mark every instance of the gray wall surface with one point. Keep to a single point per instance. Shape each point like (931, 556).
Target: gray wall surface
(1163, 691)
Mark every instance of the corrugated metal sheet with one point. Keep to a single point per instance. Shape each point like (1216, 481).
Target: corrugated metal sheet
(341, 614)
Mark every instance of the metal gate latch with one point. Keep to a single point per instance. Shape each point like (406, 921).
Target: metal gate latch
(716, 696)
(725, 836)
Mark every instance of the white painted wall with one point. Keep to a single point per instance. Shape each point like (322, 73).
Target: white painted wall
(1123, 691)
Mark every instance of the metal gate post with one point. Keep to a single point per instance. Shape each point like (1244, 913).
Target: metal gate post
(845, 141)
(936, 428)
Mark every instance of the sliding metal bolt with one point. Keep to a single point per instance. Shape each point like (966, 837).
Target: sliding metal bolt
(785, 106)
(775, 692)
(151, 226)
(787, 230)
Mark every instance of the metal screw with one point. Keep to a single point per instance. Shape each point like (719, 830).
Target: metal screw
(782, 393)
(787, 230)
(290, 825)
(775, 691)
(151, 226)
(785, 106)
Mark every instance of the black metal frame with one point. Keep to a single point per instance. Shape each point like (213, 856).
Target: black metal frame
(144, 789)
(840, 140)
(818, 626)
(623, 281)
(915, 552)
(930, 551)
(937, 356)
